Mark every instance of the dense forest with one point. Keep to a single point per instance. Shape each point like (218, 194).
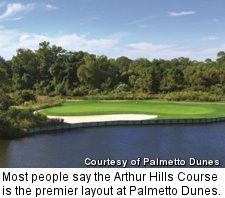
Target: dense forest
(51, 70)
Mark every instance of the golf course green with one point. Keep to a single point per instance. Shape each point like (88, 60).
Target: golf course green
(163, 109)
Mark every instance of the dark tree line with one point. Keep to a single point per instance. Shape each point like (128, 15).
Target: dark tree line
(51, 70)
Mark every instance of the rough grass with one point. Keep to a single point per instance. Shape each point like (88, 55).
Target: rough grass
(164, 110)
(41, 103)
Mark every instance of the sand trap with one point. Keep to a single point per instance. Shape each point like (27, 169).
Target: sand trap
(103, 118)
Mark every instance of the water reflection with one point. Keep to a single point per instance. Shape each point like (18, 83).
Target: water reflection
(71, 148)
(4, 153)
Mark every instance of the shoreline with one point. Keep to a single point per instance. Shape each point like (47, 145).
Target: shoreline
(168, 122)
(61, 127)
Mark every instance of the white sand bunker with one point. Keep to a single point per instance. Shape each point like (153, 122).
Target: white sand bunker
(103, 118)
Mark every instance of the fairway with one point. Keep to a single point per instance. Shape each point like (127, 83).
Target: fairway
(164, 110)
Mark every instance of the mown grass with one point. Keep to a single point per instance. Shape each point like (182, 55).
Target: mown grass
(164, 109)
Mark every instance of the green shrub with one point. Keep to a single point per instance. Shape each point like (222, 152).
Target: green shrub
(121, 88)
(23, 96)
(5, 101)
(82, 90)
(193, 96)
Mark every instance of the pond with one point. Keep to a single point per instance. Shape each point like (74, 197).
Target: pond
(70, 148)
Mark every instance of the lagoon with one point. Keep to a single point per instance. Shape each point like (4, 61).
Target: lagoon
(71, 148)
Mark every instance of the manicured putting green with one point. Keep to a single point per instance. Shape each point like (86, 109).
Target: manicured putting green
(164, 110)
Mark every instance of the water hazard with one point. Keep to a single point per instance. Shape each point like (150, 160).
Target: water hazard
(69, 149)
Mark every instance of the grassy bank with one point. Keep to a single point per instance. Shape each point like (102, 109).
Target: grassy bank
(164, 110)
